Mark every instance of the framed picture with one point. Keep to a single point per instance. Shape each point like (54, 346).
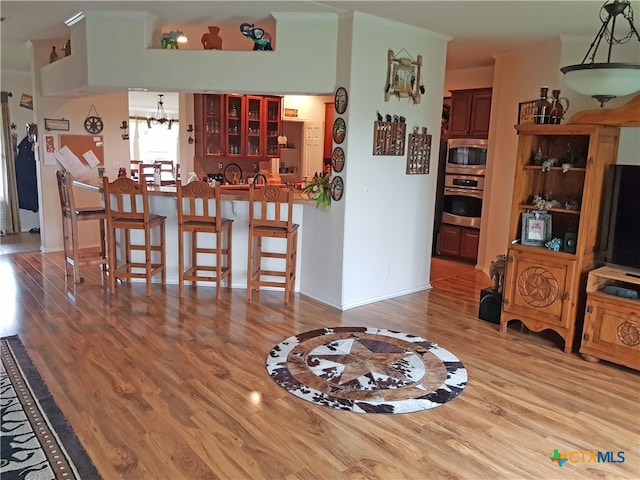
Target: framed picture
(536, 228)
(403, 77)
(526, 111)
(26, 101)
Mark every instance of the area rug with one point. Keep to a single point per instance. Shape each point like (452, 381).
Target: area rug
(367, 370)
(37, 441)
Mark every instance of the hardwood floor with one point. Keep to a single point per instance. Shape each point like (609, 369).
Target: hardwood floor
(156, 388)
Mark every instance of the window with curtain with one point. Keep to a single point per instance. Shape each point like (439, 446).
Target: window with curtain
(155, 143)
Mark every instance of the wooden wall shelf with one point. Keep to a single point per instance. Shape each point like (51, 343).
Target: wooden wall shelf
(389, 138)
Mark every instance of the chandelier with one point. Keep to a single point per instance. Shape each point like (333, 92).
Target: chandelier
(161, 116)
(606, 80)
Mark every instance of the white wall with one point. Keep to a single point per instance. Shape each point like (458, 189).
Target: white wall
(388, 215)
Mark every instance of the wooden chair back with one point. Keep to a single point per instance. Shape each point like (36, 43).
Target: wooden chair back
(168, 171)
(65, 191)
(199, 202)
(271, 206)
(126, 200)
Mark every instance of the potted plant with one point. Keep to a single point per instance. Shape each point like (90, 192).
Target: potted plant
(319, 188)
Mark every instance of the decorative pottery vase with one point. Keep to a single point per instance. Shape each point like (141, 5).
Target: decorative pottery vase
(211, 40)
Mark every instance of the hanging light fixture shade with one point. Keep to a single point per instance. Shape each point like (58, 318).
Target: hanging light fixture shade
(606, 80)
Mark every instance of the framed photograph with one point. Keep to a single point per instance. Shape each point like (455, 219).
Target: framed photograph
(56, 124)
(526, 111)
(536, 228)
(26, 101)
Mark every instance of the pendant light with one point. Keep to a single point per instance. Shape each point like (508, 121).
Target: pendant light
(606, 80)
(161, 117)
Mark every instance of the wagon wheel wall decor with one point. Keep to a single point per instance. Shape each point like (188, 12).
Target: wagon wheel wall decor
(93, 123)
(403, 77)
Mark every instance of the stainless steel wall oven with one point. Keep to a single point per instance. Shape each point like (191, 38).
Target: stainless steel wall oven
(462, 203)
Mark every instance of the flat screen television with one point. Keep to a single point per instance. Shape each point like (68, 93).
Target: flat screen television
(620, 219)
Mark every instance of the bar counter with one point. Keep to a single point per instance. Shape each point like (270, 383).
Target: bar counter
(235, 206)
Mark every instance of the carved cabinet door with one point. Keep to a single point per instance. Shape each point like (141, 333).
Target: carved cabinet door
(538, 289)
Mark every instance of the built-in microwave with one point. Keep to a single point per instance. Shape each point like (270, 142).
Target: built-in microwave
(467, 156)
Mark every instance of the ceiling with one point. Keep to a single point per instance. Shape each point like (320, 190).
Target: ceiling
(479, 29)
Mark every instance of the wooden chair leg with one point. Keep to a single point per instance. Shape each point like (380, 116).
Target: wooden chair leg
(76, 253)
(218, 240)
(103, 247)
(111, 259)
(249, 266)
(147, 263)
(229, 243)
(65, 243)
(163, 255)
(180, 263)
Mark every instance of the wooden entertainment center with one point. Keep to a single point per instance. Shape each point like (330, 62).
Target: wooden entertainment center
(612, 323)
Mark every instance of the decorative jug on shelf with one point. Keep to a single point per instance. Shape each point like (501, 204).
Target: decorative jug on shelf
(542, 108)
(556, 114)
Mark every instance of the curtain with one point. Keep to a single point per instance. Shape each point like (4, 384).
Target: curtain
(9, 211)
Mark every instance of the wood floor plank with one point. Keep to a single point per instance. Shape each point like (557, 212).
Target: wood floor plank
(162, 388)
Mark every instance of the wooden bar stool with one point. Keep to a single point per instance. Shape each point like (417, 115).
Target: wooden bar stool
(127, 208)
(74, 255)
(199, 212)
(271, 216)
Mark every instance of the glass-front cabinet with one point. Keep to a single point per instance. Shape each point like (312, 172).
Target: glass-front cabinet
(255, 118)
(273, 125)
(213, 124)
(236, 127)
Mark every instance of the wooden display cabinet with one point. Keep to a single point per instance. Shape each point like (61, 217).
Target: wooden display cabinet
(238, 128)
(210, 125)
(235, 132)
(545, 289)
(470, 113)
(612, 323)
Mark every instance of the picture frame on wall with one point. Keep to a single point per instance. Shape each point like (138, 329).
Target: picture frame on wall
(536, 228)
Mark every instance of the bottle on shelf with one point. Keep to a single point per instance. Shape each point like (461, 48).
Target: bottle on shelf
(542, 108)
(557, 111)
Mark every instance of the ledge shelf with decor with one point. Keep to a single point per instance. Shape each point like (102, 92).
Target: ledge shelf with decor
(560, 170)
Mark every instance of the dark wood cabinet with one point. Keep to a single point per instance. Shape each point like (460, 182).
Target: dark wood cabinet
(470, 113)
(459, 241)
(236, 127)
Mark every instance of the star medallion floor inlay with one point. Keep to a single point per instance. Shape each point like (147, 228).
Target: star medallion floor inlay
(366, 370)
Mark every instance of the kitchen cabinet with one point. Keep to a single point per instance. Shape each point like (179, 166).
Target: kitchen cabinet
(236, 127)
(459, 241)
(611, 323)
(470, 113)
(544, 289)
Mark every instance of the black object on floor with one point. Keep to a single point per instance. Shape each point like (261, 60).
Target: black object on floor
(490, 305)
(34, 230)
